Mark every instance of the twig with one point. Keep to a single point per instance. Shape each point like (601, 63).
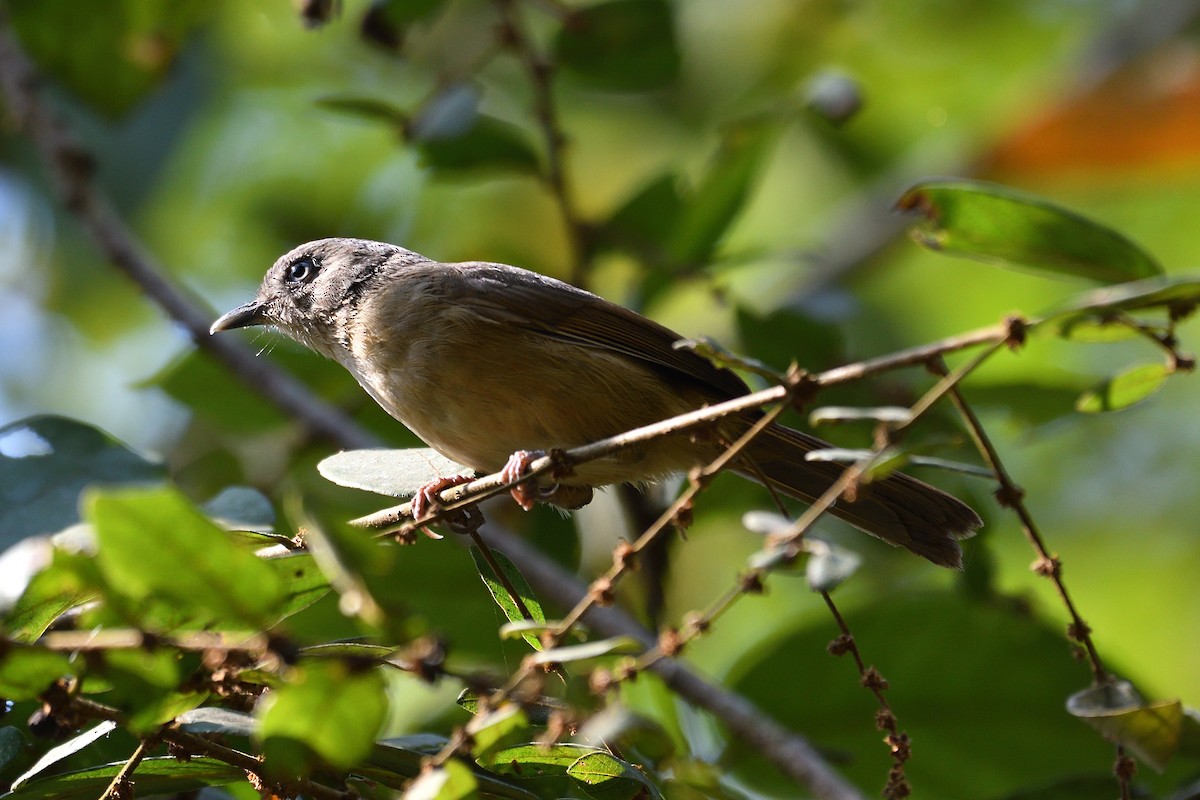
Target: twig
(72, 169)
(121, 785)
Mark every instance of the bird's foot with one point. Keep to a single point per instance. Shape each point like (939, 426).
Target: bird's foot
(426, 499)
(514, 470)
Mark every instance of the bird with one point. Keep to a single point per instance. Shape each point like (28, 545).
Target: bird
(485, 362)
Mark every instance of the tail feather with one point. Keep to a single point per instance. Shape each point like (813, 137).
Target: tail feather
(899, 509)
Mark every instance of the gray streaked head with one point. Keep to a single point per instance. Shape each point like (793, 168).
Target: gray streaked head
(308, 292)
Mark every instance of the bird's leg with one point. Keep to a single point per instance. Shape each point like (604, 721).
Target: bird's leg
(526, 494)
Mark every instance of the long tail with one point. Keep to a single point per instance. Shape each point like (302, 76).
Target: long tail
(900, 510)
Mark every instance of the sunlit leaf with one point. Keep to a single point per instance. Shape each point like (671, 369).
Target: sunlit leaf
(451, 781)
(193, 563)
(621, 45)
(158, 775)
(1124, 389)
(498, 728)
(500, 593)
(606, 777)
(535, 760)
(581, 652)
(218, 720)
(998, 225)
(328, 709)
(396, 473)
(27, 671)
(68, 748)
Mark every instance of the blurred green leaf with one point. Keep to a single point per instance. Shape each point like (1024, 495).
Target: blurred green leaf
(1031, 403)
(500, 593)
(26, 671)
(305, 583)
(998, 225)
(497, 728)
(488, 144)
(714, 204)
(1150, 730)
(158, 775)
(1179, 293)
(644, 222)
(621, 45)
(788, 334)
(1124, 389)
(396, 473)
(451, 781)
(369, 108)
(51, 592)
(135, 41)
(45, 464)
(1094, 330)
(153, 543)
(386, 22)
(329, 709)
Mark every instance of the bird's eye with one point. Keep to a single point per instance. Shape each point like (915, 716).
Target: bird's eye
(301, 270)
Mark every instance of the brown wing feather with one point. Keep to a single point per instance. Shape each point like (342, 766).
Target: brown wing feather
(508, 294)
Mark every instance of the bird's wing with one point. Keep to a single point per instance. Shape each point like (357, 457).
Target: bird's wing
(561, 311)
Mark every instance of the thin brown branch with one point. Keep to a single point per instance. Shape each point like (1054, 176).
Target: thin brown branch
(121, 785)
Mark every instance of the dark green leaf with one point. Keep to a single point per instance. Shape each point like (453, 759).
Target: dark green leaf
(717, 200)
(328, 709)
(998, 225)
(368, 108)
(26, 671)
(646, 219)
(192, 563)
(396, 473)
(12, 744)
(387, 21)
(488, 144)
(1124, 389)
(622, 45)
(163, 775)
(500, 593)
(788, 334)
(46, 462)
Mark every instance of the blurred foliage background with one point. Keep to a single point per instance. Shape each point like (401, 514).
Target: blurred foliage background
(732, 177)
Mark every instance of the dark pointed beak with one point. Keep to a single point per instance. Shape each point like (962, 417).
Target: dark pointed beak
(245, 315)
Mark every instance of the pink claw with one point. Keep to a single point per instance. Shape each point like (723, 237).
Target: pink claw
(426, 499)
(518, 464)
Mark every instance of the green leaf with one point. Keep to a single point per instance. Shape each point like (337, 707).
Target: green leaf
(1124, 389)
(497, 728)
(500, 593)
(328, 709)
(1096, 330)
(159, 775)
(26, 670)
(12, 744)
(622, 45)
(368, 108)
(387, 21)
(396, 473)
(305, 583)
(50, 593)
(134, 41)
(617, 645)
(488, 144)
(45, 464)
(535, 760)
(646, 219)
(721, 193)
(606, 777)
(998, 225)
(155, 544)
(68, 748)
(451, 781)
(1180, 294)
(1151, 730)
